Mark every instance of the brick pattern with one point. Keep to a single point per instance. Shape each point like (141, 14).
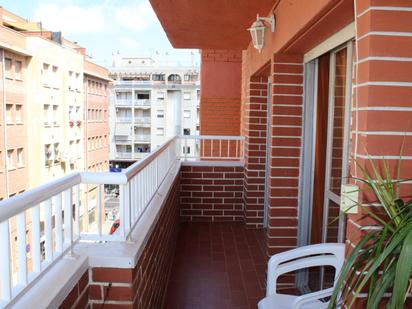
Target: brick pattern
(255, 127)
(219, 116)
(78, 297)
(220, 93)
(382, 97)
(221, 55)
(286, 141)
(211, 193)
(144, 286)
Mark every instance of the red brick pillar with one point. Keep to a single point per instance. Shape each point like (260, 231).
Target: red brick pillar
(382, 102)
(286, 141)
(255, 115)
(220, 92)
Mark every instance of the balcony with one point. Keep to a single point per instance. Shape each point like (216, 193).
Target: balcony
(142, 120)
(122, 119)
(142, 138)
(69, 223)
(124, 102)
(142, 102)
(124, 154)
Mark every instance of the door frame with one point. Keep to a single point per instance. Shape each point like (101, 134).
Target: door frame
(328, 195)
(339, 39)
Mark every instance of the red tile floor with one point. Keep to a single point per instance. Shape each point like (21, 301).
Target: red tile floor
(217, 266)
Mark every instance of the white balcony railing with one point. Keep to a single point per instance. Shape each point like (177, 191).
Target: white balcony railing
(124, 154)
(142, 138)
(142, 102)
(143, 120)
(132, 102)
(123, 119)
(124, 102)
(210, 147)
(50, 219)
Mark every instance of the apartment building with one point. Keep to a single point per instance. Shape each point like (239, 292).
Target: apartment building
(46, 87)
(151, 102)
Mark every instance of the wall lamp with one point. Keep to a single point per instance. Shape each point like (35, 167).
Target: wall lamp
(257, 30)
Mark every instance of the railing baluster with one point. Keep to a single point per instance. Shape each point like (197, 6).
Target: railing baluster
(99, 210)
(220, 148)
(48, 242)
(21, 249)
(237, 146)
(122, 206)
(5, 270)
(58, 220)
(211, 149)
(68, 218)
(228, 148)
(35, 234)
(77, 210)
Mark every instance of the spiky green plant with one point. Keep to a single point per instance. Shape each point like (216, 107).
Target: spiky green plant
(381, 262)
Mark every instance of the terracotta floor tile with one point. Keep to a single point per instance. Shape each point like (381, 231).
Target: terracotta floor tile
(217, 266)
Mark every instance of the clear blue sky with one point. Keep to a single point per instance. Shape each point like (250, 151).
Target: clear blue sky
(104, 26)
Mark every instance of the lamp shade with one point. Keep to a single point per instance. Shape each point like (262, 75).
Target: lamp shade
(257, 31)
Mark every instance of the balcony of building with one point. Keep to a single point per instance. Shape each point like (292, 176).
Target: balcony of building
(99, 228)
(141, 138)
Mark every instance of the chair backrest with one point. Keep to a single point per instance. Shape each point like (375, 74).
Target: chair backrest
(328, 254)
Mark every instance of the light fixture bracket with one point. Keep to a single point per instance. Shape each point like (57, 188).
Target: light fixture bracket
(269, 20)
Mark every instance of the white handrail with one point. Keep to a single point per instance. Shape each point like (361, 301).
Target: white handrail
(58, 205)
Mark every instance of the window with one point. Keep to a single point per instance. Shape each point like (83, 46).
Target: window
(17, 69)
(19, 113)
(158, 77)
(56, 152)
(46, 109)
(8, 65)
(186, 149)
(186, 96)
(46, 75)
(9, 113)
(77, 82)
(20, 158)
(47, 153)
(175, 78)
(77, 115)
(160, 113)
(10, 159)
(198, 94)
(186, 131)
(186, 113)
(55, 80)
(55, 114)
(78, 148)
(160, 131)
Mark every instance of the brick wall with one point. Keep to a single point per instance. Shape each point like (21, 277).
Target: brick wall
(211, 193)
(142, 286)
(382, 98)
(255, 124)
(220, 92)
(286, 140)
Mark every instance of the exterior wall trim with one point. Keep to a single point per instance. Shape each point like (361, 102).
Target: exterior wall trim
(340, 37)
(213, 163)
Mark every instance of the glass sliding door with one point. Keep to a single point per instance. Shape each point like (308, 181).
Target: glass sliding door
(337, 148)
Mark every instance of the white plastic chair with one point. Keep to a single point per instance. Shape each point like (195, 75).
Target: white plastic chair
(329, 254)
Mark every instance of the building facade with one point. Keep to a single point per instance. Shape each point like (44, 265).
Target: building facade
(47, 86)
(151, 102)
